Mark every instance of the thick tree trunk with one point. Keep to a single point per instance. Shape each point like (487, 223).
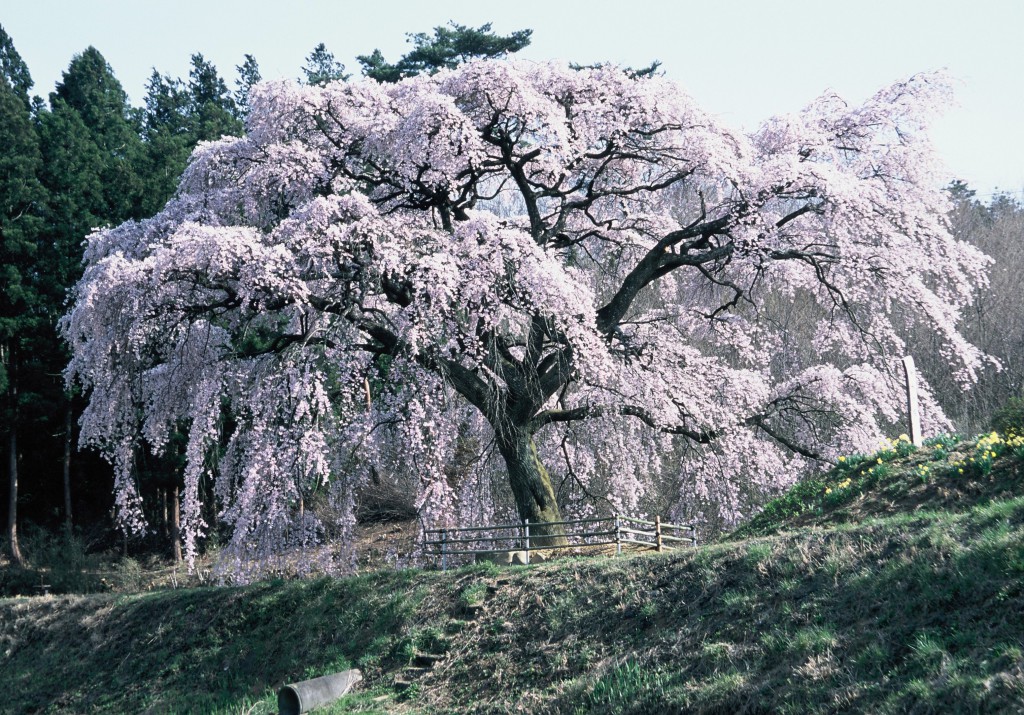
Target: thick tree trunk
(67, 467)
(176, 524)
(532, 487)
(12, 504)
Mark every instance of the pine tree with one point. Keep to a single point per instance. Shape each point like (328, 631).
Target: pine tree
(447, 48)
(178, 115)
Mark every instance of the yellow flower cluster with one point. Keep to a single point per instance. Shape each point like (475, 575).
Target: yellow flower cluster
(841, 485)
(987, 449)
(990, 446)
(888, 445)
(989, 441)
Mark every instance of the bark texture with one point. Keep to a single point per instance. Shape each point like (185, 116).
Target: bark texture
(532, 488)
(12, 504)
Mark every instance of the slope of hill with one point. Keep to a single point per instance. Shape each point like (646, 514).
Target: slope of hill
(893, 584)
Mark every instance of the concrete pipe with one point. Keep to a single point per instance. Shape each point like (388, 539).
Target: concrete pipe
(302, 697)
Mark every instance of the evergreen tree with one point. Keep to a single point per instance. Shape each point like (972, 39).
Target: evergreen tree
(321, 67)
(91, 157)
(212, 110)
(178, 115)
(166, 128)
(90, 89)
(166, 106)
(21, 200)
(248, 76)
(13, 68)
(73, 172)
(447, 48)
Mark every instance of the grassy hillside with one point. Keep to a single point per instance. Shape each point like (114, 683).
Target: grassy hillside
(893, 584)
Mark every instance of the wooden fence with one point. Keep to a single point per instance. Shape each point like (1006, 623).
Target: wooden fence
(456, 543)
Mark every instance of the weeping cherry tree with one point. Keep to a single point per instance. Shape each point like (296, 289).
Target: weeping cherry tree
(572, 270)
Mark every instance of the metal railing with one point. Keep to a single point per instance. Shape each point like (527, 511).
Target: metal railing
(459, 542)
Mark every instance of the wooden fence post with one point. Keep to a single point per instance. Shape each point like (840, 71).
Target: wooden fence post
(657, 531)
(618, 535)
(444, 558)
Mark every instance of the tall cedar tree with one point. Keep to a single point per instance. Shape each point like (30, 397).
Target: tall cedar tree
(21, 199)
(90, 88)
(168, 138)
(91, 156)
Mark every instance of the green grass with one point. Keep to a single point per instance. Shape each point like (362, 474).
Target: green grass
(904, 595)
(946, 471)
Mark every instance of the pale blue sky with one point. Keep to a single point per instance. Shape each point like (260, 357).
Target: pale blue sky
(742, 59)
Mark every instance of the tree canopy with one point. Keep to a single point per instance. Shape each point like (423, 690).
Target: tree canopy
(522, 273)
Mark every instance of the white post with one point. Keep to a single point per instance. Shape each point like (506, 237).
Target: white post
(912, 409)
(526, 525)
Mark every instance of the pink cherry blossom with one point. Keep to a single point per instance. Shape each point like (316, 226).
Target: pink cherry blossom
(518, 290)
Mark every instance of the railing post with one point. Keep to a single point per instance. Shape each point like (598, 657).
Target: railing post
(526, 526)
(618, 535)
(657, 531)
(444, 556)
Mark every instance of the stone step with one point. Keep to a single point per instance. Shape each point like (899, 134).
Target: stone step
(456, 625)
(427, 660)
